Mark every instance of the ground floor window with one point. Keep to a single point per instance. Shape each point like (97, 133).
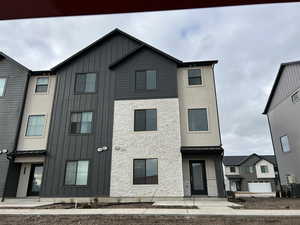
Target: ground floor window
(145, 171)
(77, 172)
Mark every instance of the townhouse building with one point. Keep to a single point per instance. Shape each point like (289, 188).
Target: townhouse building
(282, 111)
(119, 118)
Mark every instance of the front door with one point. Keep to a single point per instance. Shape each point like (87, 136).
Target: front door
(198, 177)
(35, 180)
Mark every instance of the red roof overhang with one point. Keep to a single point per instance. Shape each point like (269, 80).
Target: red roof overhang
(16, 9)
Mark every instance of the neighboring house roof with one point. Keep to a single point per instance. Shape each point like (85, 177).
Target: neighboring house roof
(234, 160)
(142, 45)
(273, 90)
(239, 160)
(4, 56)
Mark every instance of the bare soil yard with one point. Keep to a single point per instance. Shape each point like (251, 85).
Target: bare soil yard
(147, 220)
(269, 203)
(145, 205)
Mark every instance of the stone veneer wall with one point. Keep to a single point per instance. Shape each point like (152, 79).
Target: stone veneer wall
(163, 144)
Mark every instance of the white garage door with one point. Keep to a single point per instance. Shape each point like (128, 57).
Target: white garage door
(260, 187)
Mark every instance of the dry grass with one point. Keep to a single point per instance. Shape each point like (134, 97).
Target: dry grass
(147, 220)
(270, 203)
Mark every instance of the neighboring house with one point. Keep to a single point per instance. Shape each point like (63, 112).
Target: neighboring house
(282, 110)
(253, 173)
(120, 118)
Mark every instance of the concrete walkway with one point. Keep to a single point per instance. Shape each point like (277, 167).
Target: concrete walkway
(205, 207)
(178, 212)
(23, 203)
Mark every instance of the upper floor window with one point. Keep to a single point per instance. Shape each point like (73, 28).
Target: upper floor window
(197, 119)
(145, 171)
(145, 80)
(2, 86)
(264, 169)
(41, 84)
(232, 169)
(296, 97)
(85, 83)
(77, 172)
(145, 120)
(194, 76)
(35, 125)
(81, 122)
(285, 143)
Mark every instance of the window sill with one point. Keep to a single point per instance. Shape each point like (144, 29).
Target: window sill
(41, 93)
(89, 134)
(34, 137)
(85, 93)
(199, 132)
(195, 86)
(75, 186)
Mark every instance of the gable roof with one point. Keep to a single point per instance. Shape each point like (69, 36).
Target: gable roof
(273, 90)
(109, 35)
(133, 52)
(239, 160)
(136, 50)
(4, 56)
(234, 160)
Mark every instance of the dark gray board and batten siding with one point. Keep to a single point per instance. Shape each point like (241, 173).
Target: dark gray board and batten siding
(63, 146)
(150, 60)
(11, 105)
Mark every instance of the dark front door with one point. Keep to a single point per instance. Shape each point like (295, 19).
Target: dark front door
(198, 177)
(35, 180)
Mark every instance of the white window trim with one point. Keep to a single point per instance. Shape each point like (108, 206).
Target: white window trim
(44, 128)
(187, 78)
(208, 120)
(288, 143)
(5, 86)
(35, 83)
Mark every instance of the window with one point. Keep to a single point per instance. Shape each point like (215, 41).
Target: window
(296, 97)
(194, 76)
(285, 143)
(145, 171)
(77, 172)
(198, 119)
(81, 122)
(41, 84)
(145, 120)
(264, 169)
(35, 125)
(2, 86)
(232, 169)
(146, 80)
(85, 83)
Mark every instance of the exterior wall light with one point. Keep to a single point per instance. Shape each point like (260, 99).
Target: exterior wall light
(101, 149)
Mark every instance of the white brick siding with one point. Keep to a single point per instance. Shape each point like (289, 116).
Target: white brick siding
(163, 144)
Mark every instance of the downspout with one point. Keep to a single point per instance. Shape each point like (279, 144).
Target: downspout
(213, 70)
(222, 154)
(11, 159)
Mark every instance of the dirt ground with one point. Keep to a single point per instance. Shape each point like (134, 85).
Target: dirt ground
(145, 205)
(269, 203)
(147, 220)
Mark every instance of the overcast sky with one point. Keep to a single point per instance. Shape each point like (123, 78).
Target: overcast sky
(250, 42)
